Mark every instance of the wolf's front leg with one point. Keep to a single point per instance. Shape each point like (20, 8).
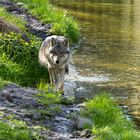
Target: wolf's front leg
(50, 75)
(54, 78)
(61, 86)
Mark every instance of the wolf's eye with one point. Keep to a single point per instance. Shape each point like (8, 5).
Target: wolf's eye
(67, 51)
(53, 52)
(62, 55)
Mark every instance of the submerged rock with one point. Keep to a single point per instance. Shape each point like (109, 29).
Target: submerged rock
(83, 122)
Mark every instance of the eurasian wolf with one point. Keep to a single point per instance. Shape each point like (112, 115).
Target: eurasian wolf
(54, 54)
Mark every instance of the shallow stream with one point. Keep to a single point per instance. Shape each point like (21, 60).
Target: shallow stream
(108, 58)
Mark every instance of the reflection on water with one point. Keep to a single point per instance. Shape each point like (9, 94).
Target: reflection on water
(110, 48)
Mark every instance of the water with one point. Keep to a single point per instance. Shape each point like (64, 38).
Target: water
(109, 55)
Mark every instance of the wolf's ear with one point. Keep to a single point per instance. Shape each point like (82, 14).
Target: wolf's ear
(66, 43)
(53, 41)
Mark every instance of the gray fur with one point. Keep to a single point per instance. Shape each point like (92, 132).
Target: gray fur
(54, 54)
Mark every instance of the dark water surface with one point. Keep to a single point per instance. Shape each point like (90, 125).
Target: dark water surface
(109, 55)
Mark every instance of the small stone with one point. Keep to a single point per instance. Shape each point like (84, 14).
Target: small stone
(83, 122)
(2, 108)
(27, 119)
(37, 115)
(86, 133)
(9, 98)
(76, 134)
(12, 105)
(2, 99)
(27, 116)
(20, 4)
(11, 91)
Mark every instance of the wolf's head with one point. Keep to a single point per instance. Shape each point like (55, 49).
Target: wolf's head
(59, 51)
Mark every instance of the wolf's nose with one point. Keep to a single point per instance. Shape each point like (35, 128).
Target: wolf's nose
(57, 61)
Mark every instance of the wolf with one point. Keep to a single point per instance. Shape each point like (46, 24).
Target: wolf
(54, 53)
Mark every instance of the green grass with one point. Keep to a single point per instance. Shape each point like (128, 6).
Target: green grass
(62, 23)
(18, 59)
(109, 121)
(49, 97)
(3, 83)
(15, 130)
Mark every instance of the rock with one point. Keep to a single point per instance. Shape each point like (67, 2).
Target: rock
(27, 115)
(12, 105)
(31, 91)
(6, 116)
(86, 133)
(20, 4)
(1, 98)
(2, 108)
(76, 134)
(27, 119)
(83, 122)
(8, 97)
(37, 116)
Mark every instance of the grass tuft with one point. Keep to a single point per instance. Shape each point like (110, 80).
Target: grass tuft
(3, 83)
(48, 97)
(15, 130)
(110, 122)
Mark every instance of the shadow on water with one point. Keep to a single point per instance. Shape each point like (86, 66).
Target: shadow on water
(108, 59)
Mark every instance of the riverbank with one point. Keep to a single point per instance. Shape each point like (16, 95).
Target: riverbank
(36, 113)
(42, 115)
(61, 22)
